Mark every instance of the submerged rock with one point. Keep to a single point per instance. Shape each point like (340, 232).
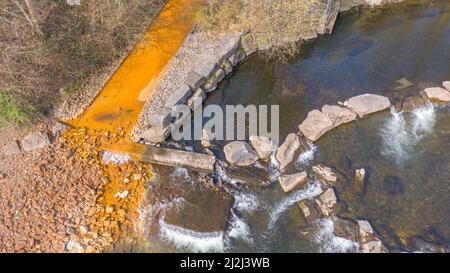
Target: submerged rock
(338, 115)
(417, 244)
(315, 125)
(367, 104)
(240, 153)
(35, 141)
(293, 181)
(360, 176)
(345, 229)
(263, 146)
(285, 153)
(326, 202)
(437, 94)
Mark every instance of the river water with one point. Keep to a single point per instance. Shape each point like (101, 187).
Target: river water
(405, 155)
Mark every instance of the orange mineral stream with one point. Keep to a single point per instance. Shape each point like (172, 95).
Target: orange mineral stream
(121, 100)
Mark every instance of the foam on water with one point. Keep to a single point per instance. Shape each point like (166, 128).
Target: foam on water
(305, 158)
(238, 229)
(190, 240)
(245, 201)
(274, 167)
(220, 171)
(116, 158)
(423, 122)
(396, 139)
(181, 173)
(330, 243)
(311, 190)
(400, 137)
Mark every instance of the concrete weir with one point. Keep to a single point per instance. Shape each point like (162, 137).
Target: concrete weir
(167, 157)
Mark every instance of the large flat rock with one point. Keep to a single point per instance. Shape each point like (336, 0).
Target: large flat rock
(35, 141)
(437, 94)
(315, 125)
(293, 181)
(367, 104)
(168, 157)
(338, 115)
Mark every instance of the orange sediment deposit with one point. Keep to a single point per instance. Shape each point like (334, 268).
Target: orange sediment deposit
(109, 120)
(122, 98)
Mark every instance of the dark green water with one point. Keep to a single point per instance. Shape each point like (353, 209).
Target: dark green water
(406, 155)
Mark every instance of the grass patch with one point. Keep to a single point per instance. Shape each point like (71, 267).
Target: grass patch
(11, 111)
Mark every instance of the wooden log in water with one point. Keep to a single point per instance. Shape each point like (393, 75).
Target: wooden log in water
(167, 157)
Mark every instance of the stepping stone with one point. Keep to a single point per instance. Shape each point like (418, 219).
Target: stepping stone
(437, 94)
(367, 104)
(240, 153)
(315, 125)
(338, 115)
(263, 146)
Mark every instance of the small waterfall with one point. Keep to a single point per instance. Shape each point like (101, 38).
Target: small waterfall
(274, 168)
(311, 190)
(330, 243)
(220, 171)
(305, 158)
(245, 201)
(396, 139)
(238, 229)
(423, 122)
(191, 240)
(400, 137)
(116, 158)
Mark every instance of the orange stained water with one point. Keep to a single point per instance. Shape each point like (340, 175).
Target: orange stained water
(122, 98)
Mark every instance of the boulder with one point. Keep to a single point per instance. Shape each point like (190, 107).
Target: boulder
(293, 181)
(437, 94)
(263, 146)
(326, 202)
(345, 229)
(161, 118)
(58, 129)
(412, 103)
(229, 44)
(212, 83)
(365, 231)
(206, 69)
(196, 99)
(338, 115)
(286, 152)
(179, 96)
(325, 174)
(315, 125)
(12, 148)
(446, 85)
(367, 104)
(156, 134)
(240, 153)
(310, 210)
(35, 141)
(194, 80)
(237, 57)
(329, 17)
(249, 44)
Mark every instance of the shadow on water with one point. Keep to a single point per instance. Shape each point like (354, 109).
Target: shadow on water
(406, 155)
